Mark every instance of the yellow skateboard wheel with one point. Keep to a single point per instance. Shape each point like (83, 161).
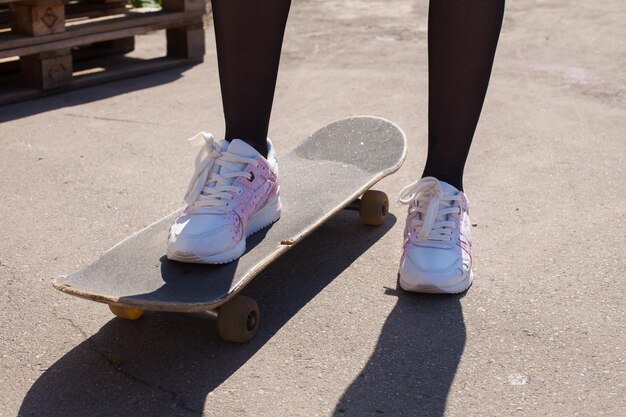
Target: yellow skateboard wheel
(126, 313)
(374, 207)
(238, 319)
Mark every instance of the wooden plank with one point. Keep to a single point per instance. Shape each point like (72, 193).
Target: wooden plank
(95, 30)
(126, 68)
(76, 11)
(104, 23)
(98, 37)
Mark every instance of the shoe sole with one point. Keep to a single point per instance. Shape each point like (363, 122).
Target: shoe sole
(434, 289)
(269, 215)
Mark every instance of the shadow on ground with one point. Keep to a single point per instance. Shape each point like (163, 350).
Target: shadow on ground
(166, 364)
(415, 360)
(89, 94)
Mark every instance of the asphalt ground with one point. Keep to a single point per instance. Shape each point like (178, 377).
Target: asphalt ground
(541, 332)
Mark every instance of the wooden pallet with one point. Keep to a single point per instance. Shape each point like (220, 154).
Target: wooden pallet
(50, 37)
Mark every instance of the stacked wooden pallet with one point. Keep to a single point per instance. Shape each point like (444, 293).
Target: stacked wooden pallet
(41, 42)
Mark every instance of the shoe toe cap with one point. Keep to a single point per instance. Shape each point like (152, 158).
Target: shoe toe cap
(201, 235)
(433, 267)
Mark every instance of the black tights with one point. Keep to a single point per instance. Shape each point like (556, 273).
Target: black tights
(249, 37)
(462, 39)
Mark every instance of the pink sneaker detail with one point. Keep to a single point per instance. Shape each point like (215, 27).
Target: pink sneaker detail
(233, 193)
(436, 255)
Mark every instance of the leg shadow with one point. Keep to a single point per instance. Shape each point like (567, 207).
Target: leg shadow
(415, 360)
(165, 364)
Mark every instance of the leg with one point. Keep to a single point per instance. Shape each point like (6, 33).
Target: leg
(462, 39)
(234, 191)
(249, 35)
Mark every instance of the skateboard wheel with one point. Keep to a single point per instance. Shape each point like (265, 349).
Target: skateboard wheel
(126, 313)
(373, 207)
(238, 319)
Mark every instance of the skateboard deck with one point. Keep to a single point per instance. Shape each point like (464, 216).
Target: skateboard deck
(326, 173)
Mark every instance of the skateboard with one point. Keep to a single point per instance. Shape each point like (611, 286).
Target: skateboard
(331, 170)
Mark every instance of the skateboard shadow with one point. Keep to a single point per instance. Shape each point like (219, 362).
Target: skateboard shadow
(165, 364)
(415, 360)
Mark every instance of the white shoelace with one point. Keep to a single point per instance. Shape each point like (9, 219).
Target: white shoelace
(433, 207)
(211, 189)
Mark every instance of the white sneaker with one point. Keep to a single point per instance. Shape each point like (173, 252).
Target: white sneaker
(232, 194)
(436, 255)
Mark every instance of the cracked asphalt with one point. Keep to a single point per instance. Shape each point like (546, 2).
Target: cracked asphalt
(541, 332)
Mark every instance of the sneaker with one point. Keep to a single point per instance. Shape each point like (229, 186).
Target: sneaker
(436, 254)
(232, 194)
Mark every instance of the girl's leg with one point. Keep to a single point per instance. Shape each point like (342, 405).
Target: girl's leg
(231, 197)
(249, 36)
(462, 39)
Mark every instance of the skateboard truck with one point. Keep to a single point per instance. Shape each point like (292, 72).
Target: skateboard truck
(237, 320)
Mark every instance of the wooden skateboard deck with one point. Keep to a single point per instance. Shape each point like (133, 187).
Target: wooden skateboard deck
(326, 173)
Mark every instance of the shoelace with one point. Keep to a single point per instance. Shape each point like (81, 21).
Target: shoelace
(208, 188)
(432, 205)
